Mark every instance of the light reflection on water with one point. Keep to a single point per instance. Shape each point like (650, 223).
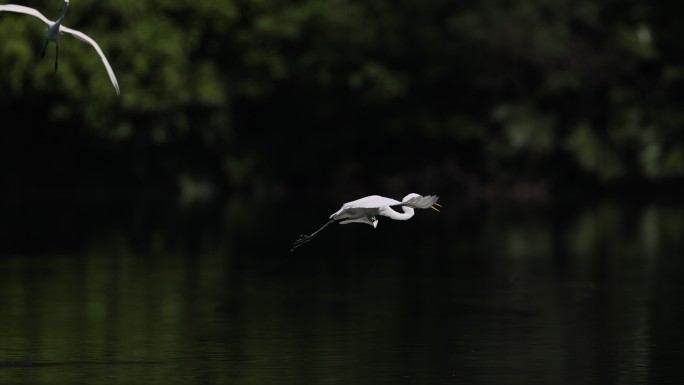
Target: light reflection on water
(493, 295)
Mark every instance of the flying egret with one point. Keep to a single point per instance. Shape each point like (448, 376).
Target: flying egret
(365, 209)
(55, 29)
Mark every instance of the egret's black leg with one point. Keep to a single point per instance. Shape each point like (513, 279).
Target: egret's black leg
(42, 54)
(306, 238)
(56, 55)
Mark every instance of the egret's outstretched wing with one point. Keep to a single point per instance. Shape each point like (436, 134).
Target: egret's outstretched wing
(83, 37)
(363, 205)
(25, 10)
(373, 201)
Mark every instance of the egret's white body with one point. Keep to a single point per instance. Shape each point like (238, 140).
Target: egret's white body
(55, 29)
(366, 209)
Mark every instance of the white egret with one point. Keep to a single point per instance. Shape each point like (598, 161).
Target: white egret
(364, 210)
(55, 29)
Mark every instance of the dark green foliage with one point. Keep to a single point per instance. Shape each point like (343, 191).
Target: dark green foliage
(268, 94)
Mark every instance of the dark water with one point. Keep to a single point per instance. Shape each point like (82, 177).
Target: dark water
(143, 293)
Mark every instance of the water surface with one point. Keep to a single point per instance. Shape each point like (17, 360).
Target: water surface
(142, 292)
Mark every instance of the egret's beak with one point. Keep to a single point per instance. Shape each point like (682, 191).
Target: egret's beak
(435, 208)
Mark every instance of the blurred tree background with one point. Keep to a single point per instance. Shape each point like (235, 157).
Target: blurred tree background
(273, 97)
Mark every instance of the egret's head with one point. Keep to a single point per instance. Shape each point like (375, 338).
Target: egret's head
(421, 202)
(411, 196)
(375, 223)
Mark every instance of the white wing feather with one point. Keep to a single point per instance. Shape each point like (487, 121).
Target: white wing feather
(373, 201)
(83, 37)
(25, 10)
